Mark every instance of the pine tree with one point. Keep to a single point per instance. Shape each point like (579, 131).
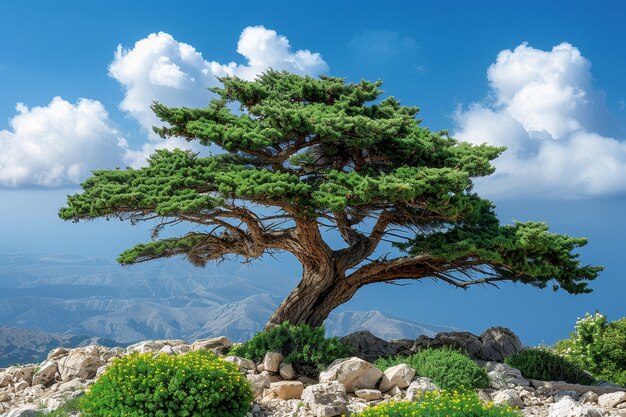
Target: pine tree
(303, 155)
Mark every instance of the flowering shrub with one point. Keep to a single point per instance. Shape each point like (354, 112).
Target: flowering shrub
(447, 368)
(441, 404)
(543, 364)
(598, 346)
(195, 384)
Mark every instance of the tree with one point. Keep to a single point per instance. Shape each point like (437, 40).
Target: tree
(303, 154)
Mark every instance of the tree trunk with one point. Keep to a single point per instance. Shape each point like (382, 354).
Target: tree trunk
(319, 292)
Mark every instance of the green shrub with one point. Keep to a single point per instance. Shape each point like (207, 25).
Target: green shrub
(441, 404)
(195, 384)
(598, 346)
(447, 368)
(545, 365)
(303, 346)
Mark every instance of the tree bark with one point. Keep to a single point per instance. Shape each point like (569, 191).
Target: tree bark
(320, 291)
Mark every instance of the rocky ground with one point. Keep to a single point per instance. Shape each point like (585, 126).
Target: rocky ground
(346, 386)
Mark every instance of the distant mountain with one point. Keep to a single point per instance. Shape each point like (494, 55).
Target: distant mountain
(381, 325)
(28, 346)
(160, 299)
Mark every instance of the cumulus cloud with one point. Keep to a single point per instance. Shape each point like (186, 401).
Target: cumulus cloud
(543, 108)
(58, 144)
(160, 68)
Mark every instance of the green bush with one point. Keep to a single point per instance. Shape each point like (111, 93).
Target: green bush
(303, 346)
(441, 404)
(545, 365)
(143, 385)
(598, 346)
(447, 368)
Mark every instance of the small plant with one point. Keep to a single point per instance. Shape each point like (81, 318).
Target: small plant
(447, 368)
(598, 346)
(196, 384)
(543, 364)
(303, 346)
(70, 407)
(441, 404)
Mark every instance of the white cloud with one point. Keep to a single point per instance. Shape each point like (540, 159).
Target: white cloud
(58, 144)
(543, 108)
(159, 68)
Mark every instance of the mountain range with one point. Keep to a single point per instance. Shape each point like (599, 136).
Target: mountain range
(58, 297)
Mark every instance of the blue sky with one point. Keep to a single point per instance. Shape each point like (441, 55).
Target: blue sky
(543, 78)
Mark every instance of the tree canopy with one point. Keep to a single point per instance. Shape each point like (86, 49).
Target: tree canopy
(302, 154)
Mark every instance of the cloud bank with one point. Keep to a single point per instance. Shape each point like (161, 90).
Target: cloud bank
(58, 144)
(160, 68)
(543, 108)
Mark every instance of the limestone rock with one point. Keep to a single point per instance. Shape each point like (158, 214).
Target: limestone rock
(152, 345)
(25, 373)
(46, 374)
(5, 379)
(352, 373)
(217, 345)
(460, 340)
(287, 390)
(286, 371)
(326, 399)
(502, 376)
(271, 361)
(20, 385)
(567, 393)
(498, 343)
(80, 363)
(588, 397)
(566, 407)
(399, 375)
(508, 397)
(418, 386)
(242, 363)
(368, 347)
(25, 411)
(259, 382)
(368, 394)
(57, 353)
(611, 400)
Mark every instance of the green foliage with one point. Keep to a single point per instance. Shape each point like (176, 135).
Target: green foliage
(441, 404)
(330, 150)
(598, 346)
(545, 365)
(447, 368)
(69, 408)
(195, 384)
(303, 346)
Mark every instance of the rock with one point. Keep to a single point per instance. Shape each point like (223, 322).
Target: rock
(588, 397)
(181, 349)
(572, 394)
(153, 345)
(80, 363)
(508, 397)
(29, 410)
(566, 407)
(20, 385)
(326, 399)
(271, 361)
(217, 345)
(46, 374)
(352, 373)
(167, 349)
(73, 385)
(287, 390)
(260, 368)
(21, 373)
(418, 386)
(259, 382)
(465, 341)
(498, 343)
(286, 371)
(502, 376)
(550, 386)
(368, 347)
(612, 400)
(399, 375)
(5, 379)
(368, 394)
(57, 353)
(242, 363)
